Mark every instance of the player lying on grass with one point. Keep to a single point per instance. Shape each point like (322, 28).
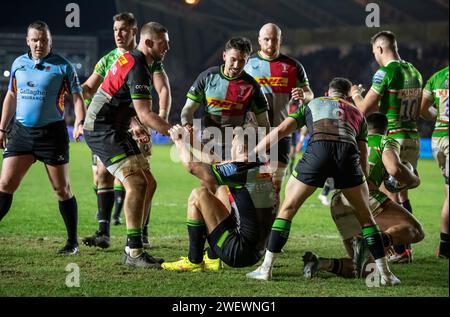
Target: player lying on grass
(236, 220)
(397, 224)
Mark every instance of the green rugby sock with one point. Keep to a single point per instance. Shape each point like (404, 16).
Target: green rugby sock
(197, 239)
(279, 235)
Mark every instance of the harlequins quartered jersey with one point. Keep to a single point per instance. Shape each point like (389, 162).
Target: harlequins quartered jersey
(226, 100)
(105, 63)
(277, 77)
(377, 145)
(252, 177)
(400, 85)
(40, 87)
(436, 89)
(129, 78)
(332, 119)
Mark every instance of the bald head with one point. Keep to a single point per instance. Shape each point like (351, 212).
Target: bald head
(270, 40)
(270, 28)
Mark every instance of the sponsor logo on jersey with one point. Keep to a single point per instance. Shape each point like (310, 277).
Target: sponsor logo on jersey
(272, 81)
(284, 68)
(441, 93)
(142, 88)
(114, 69)
(224, 104)
(31, 84)
(243, 89)
(413, 92)
(122, 60)
(378, 77)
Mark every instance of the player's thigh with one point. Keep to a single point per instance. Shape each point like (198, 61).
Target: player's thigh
(296, 193)
(393, 214)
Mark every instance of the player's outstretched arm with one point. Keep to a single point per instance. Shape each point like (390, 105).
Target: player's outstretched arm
(182, 138)
(286, 127)
(148, 117)
(367, 104)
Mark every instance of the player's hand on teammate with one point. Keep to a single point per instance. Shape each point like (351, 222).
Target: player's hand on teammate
(297, 94)
(78, 130)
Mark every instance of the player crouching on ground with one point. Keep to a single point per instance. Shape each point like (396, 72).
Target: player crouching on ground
(236, 220)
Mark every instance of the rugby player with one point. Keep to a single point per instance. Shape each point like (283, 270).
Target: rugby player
(397, 224)
(396, 91)
(236, 219)
(111, 190)
(230, 97)
(337, 149)
(281, 78)
(435, 107)
(129, 82)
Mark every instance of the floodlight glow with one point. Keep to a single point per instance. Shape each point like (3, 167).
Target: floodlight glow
(191, 2)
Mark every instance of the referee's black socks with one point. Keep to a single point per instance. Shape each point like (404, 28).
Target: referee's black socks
(69, 211)
(5, 203)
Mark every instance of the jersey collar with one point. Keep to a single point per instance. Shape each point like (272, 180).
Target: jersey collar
(267, 59)
(47, 56)
(222, 67)
(392, 61)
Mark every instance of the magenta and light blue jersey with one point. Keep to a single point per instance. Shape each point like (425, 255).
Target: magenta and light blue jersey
(277, 78)
(332, 119)
(40, 88)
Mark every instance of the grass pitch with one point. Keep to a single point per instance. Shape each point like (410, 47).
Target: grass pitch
(33, 230)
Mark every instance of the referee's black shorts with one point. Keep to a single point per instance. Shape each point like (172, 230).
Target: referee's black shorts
(48, 144)
(323, 159)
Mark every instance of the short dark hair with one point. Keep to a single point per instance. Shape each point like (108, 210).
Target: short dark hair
(340, 85)
(153, 28)
(127, 17)
(377, 121)
(241, 44)
(39, 25)
(386, 36)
